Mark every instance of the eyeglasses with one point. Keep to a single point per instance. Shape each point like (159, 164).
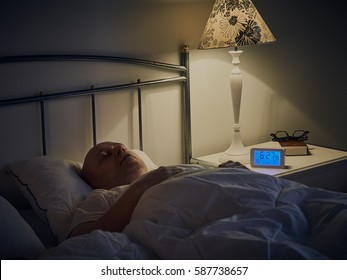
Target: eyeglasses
(281, 136)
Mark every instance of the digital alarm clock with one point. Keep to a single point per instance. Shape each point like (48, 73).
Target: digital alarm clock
(267, 158)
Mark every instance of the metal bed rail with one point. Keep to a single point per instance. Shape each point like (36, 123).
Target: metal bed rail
(92, 91)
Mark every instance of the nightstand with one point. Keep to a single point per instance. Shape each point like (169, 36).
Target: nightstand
(323, 167)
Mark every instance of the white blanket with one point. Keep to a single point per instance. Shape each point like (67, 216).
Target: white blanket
(224, 214)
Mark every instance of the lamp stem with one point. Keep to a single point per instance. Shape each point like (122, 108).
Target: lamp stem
(236, 148)
(236, 79)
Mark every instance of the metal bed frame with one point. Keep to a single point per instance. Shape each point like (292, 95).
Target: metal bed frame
(182, 69)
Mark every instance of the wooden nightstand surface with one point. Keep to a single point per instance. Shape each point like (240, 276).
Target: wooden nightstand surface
(322, 160)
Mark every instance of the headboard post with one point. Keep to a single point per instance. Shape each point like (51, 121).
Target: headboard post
(186, 106)
(92, 97)
(139, 100)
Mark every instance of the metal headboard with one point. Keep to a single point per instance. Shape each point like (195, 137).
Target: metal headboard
(183, 69)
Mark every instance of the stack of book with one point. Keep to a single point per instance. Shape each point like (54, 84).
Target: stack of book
(294, 147)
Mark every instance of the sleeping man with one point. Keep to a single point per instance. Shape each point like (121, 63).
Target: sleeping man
(119, 177)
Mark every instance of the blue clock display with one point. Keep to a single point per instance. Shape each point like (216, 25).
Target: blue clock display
(267, 158)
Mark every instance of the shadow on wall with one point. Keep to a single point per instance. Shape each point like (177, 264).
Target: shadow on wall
(126, 28)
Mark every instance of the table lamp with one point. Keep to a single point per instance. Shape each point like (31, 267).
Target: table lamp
(234, 23)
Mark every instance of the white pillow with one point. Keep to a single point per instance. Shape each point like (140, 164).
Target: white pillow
(17, 239)
(53, 188)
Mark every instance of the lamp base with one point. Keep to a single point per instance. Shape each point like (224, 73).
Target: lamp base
(236, 151)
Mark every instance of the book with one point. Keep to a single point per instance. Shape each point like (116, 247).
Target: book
(294, 147)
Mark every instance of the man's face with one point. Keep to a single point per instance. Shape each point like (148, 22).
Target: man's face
(110, 164)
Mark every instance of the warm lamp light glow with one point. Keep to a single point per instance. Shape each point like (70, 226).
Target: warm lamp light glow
(234, 23)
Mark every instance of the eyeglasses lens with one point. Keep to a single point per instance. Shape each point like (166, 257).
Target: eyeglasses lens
(282, 135)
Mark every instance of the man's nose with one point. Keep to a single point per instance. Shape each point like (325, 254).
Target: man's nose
(119, 149)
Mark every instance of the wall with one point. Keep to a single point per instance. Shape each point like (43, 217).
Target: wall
(295, 83)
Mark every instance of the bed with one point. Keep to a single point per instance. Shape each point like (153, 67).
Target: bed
(202, 213)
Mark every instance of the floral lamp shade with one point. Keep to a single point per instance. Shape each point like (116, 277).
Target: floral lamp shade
(234, 23)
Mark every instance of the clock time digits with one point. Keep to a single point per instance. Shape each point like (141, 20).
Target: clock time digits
(267, 157)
